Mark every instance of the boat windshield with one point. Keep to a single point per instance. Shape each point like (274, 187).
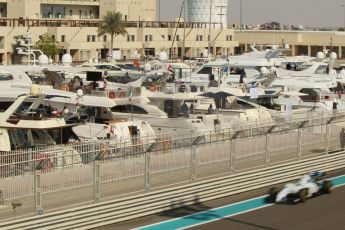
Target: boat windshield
(6, 77)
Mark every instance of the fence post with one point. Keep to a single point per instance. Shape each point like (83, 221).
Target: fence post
(96, 181)
(38, 195)
(2, 201)
(192, 164)
(326, 139)
(147, 171)
(267, 152)
(299, 144)
(232, 156)
(63, 158)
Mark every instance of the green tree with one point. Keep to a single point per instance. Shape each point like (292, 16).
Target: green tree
(114, 25)
(48, 46)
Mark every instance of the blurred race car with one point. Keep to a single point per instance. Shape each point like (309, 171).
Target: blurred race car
(309, 185)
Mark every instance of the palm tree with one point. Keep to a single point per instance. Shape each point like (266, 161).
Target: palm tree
(114, 25)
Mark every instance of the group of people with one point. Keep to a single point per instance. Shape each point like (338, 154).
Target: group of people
(56, 113)
(75, 84)
(185, 110)
(100, 85)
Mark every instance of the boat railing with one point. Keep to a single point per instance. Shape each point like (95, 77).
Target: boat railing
(117, 93)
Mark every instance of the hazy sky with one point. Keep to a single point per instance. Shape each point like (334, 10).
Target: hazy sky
(316, 13)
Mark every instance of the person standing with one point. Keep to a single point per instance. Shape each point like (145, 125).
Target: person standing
(184, 109)
(210, 109)
(342, 138)
(191, 108)
(243, 76)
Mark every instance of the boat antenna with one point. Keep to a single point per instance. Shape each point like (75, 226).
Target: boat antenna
(177, 25)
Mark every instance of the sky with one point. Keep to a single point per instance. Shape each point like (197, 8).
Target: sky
(312, 13)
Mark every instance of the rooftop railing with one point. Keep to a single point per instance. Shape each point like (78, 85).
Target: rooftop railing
(22, 22)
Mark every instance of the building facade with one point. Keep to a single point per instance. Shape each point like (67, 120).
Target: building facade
(132, 10)
(74, 23)
(300, 42)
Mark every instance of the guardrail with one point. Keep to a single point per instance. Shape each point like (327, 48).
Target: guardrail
(119, 210)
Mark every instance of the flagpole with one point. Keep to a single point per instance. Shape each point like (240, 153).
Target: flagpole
(130, 99)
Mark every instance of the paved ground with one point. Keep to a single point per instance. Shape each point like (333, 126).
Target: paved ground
(324, 212)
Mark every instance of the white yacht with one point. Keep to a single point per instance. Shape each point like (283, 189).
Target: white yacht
(25, 124)
(15, 82)
(307, 90)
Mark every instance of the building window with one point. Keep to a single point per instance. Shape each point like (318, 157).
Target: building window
(163, 37)
(70, 12)
(199, 37)
(169, 37)
(229, 37)
(177, 37)
(88, 39)
(148, 38)
(53, 37)
(62, 38)
(130, 38)
(104, 38)
(93, 38)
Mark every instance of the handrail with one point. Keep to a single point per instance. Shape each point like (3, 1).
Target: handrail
(66, 22)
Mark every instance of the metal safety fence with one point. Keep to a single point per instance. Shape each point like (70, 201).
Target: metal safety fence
(104, 168)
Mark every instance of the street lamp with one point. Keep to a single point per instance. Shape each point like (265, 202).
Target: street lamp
(241, 7)
(344, 16)
(159, 10)
(209, 30)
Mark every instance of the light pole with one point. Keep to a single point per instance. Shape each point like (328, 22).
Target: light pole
(344, 16)
(241, 6)
(159, 10)
(184, 31)
(209, 30)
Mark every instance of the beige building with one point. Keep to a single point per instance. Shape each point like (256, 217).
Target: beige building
(74, 23)
(79, 38)
(300, 42)
(132, 10)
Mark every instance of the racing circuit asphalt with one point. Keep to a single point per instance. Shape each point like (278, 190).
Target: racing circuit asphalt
(325, 212)
(322, 212)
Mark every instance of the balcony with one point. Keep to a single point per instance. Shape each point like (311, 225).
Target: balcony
(71, 2)
(63, 22)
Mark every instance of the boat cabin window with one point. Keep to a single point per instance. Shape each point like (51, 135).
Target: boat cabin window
(322, 69)
(108, 67)
(313, 95)
(128, 109)
(19, 139)
(4, 105)
(205, 70)
(244, 105)
(6, 77)
(41, 137)
(235, 71)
